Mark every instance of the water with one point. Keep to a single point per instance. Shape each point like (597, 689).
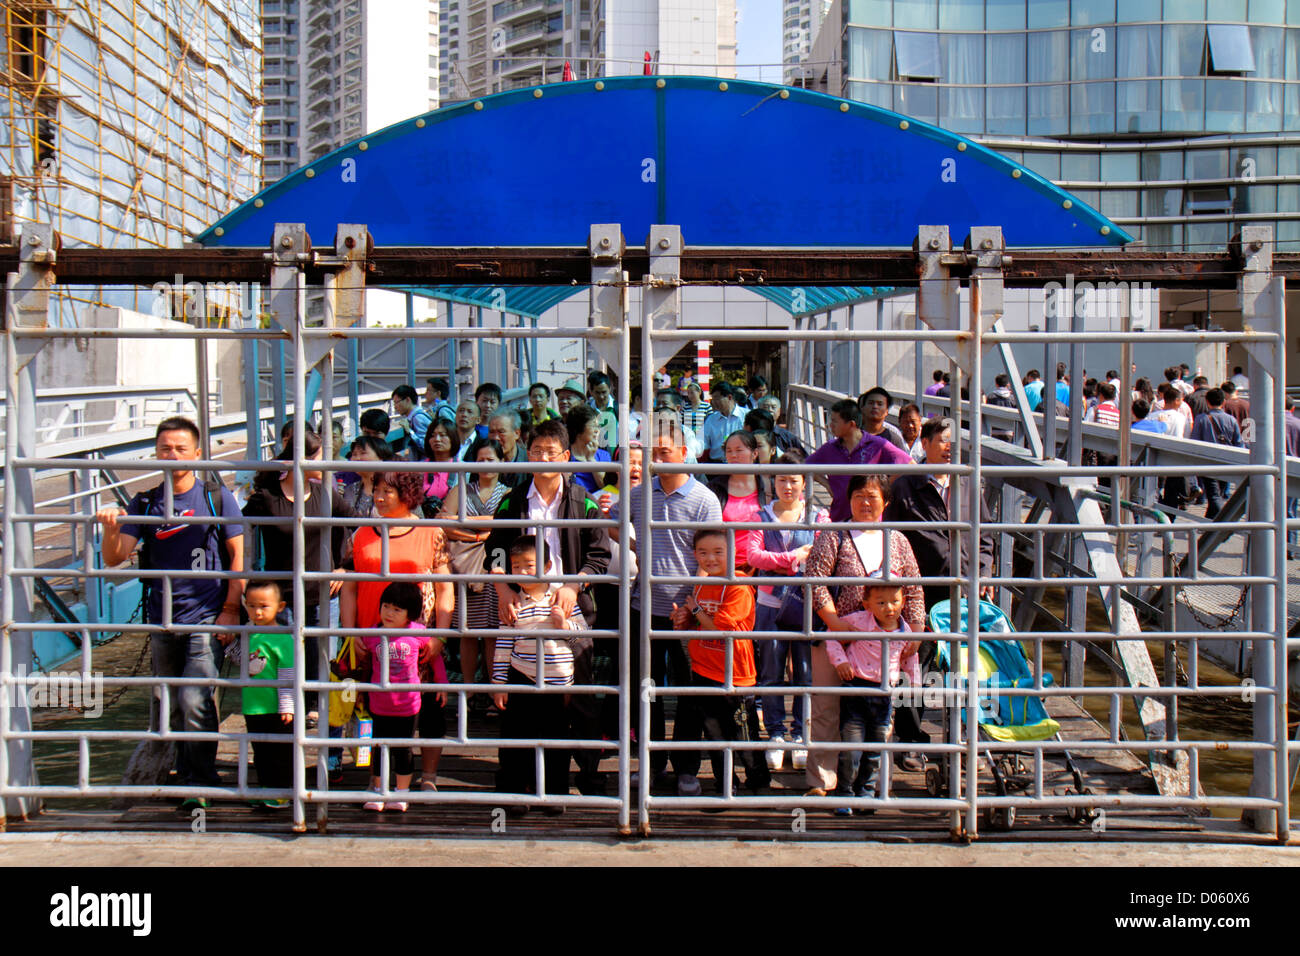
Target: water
(1222, 772)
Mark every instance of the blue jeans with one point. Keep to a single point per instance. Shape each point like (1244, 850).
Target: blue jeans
(772, 656)
(1216, 494)
(862, 719)
(193, 708)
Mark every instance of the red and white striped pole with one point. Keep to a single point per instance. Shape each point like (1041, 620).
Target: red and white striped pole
(702, 363)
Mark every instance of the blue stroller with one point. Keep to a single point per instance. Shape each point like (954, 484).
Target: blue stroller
(1002, 717)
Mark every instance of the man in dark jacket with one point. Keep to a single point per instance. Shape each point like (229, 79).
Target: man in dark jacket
(1217, 427)
(926, 498)
(1004, 397)
(574, 550)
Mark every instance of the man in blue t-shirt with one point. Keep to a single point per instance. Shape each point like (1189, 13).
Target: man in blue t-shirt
(206, 603)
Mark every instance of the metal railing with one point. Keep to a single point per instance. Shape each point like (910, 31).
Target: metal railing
(960, 798)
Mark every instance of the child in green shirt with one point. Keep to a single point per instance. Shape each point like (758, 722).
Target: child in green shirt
(268, 710)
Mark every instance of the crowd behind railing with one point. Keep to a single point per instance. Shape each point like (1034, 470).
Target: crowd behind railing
(411, 531)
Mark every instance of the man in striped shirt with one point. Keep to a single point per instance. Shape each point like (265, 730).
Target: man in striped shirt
(1106, 412)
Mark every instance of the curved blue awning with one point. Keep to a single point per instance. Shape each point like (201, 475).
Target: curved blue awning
(733, 162)
(516, 299)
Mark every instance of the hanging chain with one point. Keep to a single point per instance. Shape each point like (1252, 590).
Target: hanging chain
(137, 614)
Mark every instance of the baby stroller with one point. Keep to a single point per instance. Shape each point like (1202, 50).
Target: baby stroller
(1002, 717)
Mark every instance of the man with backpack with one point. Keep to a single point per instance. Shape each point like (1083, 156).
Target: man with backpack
(1217, 427)
(207, 603)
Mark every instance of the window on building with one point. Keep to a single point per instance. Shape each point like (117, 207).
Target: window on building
(916, 56)
(1228, 50)
(1209, 200)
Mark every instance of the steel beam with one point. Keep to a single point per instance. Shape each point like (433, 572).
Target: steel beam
(420, 265)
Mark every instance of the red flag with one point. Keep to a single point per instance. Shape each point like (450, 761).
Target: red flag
(568, 73)
(647, 63)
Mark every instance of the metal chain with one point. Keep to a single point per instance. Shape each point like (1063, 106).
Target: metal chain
(1212, 624)
(137, 614)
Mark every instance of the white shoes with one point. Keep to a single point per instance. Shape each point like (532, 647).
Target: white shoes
(798, 756)
(775, 760)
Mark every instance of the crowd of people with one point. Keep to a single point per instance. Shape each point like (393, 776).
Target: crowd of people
(1182, 405)
(492, 537)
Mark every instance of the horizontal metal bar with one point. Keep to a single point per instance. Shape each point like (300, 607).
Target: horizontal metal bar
(443, 332)
(1152, 337)
(812, 335)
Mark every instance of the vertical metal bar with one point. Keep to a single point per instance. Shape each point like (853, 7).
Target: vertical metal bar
(410, 340)
(299, 590)
(660, 308)
(645, 557)
(973, 569)
(626, 647)
(1048, 406)
(1262, 305)
(204, 410)
(608, 306)
(26, 306)
(252, 373)
(503, 350)
(1285, 777)
(918, 369)
(1077, 322)
(354, 385)
(1119, 485)
(289, 247)
(277, 386)
(880, 346)
(480, 364)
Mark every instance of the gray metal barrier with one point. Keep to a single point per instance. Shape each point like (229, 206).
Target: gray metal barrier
(963, 749)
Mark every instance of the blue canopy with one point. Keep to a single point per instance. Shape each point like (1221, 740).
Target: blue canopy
(733, 162)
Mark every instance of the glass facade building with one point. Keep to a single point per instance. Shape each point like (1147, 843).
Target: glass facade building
(1179, 119)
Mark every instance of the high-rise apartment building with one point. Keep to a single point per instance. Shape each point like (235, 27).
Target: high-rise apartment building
(337, 69)
(1178, 119)
(489, 46)
(800, 21)
(126, 124)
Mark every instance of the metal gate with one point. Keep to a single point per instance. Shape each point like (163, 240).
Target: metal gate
(970, 340)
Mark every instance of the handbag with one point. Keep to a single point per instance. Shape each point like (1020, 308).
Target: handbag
(343, 702)
(429, 603)
(789, 616)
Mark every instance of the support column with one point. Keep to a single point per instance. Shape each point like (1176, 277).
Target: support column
(608, 309)
(290, 253)
(1263, 310)
(984, 249)
(27, 300)
(660, 309)
(345, 308)
(938, 305)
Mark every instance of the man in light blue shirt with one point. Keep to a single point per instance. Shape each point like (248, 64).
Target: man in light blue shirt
(1033, 389)
(1062, 385)
(724, 420)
